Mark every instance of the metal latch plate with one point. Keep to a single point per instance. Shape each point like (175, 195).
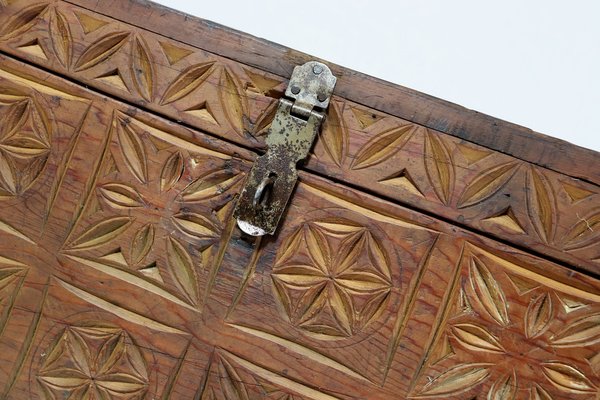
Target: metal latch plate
(295, 126)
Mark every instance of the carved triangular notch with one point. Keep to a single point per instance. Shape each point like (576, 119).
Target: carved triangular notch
(464, 304)
(207, 256)
(506, 219)
(111, 165)
(365, 118)
(202, 111)
(33, 48)
(94, 207)
(174, 54)
(576, 193)
(113, 78)
(89, 23)
(570, 305)
(402, 180)
(249, 87)
(224, 213)
(261, 84)
(472, 154)
(115, 256)
(157, 144)
(442, 350)
(522, 286)
(152, 272)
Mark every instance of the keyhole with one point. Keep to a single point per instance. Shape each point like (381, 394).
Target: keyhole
(264, 191)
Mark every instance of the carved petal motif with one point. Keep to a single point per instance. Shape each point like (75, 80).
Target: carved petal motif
(582, 332)
(456, 380)
(567, 378)
(196, 226)
(171, 172)
(486, 184)
(189, 79)
(182, 270)
(489, 294)
(142, 69)
(23, 20)
(101, 50)
(62, 40)
(119, 195)
(538, 393)
(439, 166)
(232, 386)
(334, 134)
(539, 315)
(14, 117)
(210, 185)
(476, 338)
(142, 243)
(585, 232)
(101, 232)
(383, 146)
(132, 147)
(234, 101)
(541, 205)
(505, 388)
(8, 179)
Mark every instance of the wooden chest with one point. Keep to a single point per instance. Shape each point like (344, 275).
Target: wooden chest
(428, 251)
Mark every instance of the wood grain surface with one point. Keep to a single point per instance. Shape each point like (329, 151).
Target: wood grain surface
(503, 196)
(410, 263)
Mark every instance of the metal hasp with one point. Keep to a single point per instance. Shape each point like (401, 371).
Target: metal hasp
(296, 124)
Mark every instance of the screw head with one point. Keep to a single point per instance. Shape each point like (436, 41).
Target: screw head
(295, 89)
(317, 69)
(321, 97)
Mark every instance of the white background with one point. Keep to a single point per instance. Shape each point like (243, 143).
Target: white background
(535, 63)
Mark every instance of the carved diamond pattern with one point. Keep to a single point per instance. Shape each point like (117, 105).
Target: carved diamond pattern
(332, 278)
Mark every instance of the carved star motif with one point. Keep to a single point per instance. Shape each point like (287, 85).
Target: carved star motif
(490, 341)
(93, 363)
(332, 278)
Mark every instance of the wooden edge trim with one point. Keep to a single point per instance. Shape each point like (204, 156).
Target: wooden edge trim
(402, 102)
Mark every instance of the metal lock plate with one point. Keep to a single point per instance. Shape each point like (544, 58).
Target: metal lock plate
(297, 122)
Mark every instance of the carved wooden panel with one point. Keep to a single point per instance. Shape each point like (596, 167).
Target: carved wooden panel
(486, 190)
(123, 274)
